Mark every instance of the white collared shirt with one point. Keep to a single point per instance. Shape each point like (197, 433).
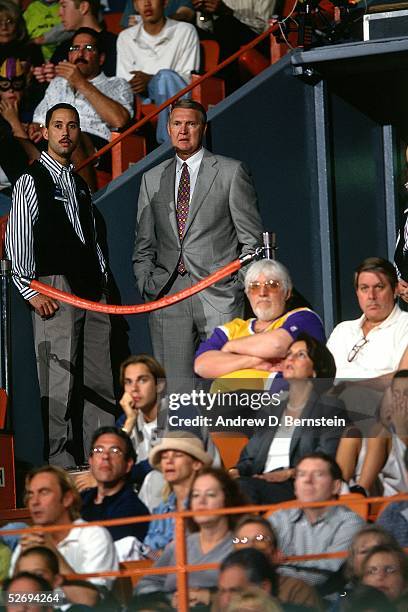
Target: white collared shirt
(380, 355)
(176, 47)
(59, 90)
(193, 163)
(86, 551)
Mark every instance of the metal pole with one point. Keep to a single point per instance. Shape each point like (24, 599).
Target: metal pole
(269, 245)
(181, 562)
(5, 345)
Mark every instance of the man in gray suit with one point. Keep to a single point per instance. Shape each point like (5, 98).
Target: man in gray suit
(196, 213)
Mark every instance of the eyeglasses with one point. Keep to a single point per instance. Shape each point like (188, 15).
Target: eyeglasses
(89, 48)
(270, 285)
(385, 569)
(17, 83)
(113, 451)
(259, 537)
(356, 348)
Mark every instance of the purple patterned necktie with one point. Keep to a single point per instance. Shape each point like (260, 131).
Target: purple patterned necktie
(183, 202)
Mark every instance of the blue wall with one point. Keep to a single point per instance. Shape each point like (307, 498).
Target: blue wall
(318, 163)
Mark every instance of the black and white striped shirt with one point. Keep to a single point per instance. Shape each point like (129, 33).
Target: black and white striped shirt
(24, 213)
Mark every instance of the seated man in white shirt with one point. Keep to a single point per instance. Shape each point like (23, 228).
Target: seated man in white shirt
(375, 345)
(103, 103)
(157, 56)
(52, 499)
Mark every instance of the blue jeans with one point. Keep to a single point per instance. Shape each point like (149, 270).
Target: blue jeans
(5, 205)
(161, 87)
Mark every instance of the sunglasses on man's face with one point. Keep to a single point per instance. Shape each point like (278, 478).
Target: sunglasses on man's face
(17, 84)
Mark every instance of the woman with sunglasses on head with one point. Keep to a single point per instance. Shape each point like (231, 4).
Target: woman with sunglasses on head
(255, 532)
(308, 421)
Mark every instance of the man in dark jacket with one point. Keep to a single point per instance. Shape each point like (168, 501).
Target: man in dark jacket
(111, 458)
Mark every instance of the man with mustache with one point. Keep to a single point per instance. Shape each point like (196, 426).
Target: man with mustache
(52, 235)
(250, 351)
(103, 103)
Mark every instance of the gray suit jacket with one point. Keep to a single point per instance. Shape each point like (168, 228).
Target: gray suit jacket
(222, 223)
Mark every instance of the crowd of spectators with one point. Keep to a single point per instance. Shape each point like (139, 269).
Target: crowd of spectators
(176, 468)
(326, 435)
(156, 53)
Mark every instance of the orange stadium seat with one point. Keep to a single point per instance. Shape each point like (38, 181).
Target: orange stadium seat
(112, 22)
(126, 152)
(229, 446)
(252, 62)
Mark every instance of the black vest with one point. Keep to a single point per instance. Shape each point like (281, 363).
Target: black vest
(57, 247)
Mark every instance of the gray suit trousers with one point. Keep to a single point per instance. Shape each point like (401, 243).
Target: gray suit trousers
(176, 332)
(59, 341)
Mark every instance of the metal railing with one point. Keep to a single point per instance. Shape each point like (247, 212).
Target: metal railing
(136, 126)
(181, 568)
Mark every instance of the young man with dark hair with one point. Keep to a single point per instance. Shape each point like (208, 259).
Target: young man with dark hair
(52, 236)
(242, 569)
(143, 380)
(28, 584)
(157, 56)
(43, 561)
(111, 459)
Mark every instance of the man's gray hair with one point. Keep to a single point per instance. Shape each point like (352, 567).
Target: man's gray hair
(271, 269)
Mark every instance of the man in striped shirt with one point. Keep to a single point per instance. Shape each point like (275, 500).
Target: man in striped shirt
(52, 236)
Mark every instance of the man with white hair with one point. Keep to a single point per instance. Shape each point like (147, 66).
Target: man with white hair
(253, 348)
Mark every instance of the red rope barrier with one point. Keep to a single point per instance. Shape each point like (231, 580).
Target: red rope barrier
(168, 300)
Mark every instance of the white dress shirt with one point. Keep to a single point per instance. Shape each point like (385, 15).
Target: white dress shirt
(176, 47)
(86, 551)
